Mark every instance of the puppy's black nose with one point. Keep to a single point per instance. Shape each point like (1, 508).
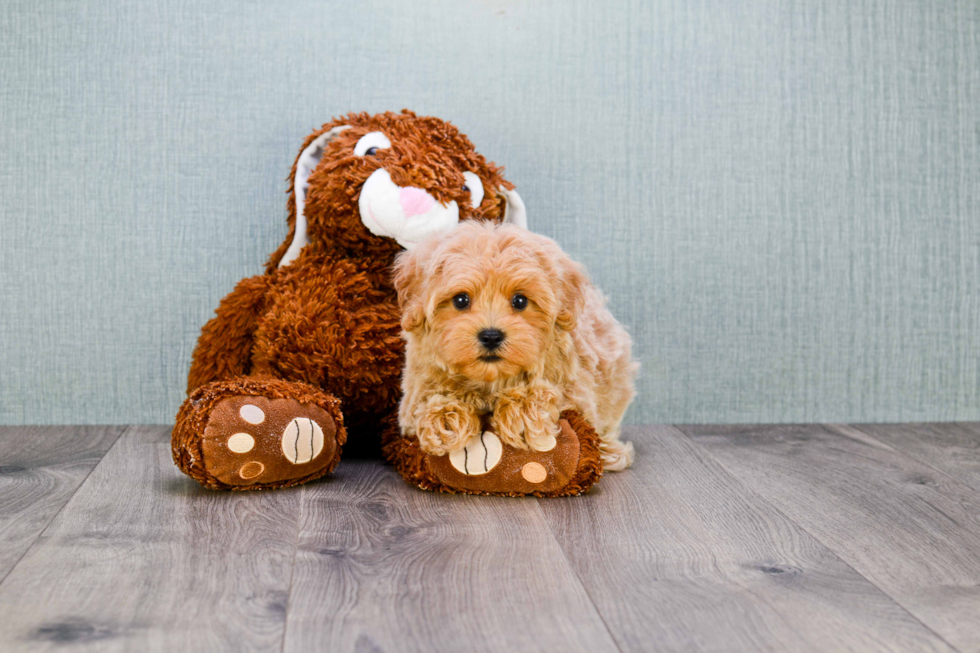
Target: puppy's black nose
(491, 338)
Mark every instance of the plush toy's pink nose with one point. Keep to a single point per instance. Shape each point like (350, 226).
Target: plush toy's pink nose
(414, 201)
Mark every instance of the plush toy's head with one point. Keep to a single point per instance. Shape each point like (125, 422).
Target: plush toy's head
(373, 185)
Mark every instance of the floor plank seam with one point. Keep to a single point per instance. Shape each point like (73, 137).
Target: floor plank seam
(779, 511)
(122, 430)
(578, 579)
(967, 489)
(292, 569)
(904, 454)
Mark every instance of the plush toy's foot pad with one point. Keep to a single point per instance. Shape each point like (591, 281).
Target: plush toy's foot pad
(251, 440)
(233, 440)
(487, 466)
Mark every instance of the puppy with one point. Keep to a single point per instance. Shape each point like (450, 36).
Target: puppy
(501, 324)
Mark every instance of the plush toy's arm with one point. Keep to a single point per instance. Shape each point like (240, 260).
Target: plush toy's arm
(373, 356)
(224, 349)
(337, 327)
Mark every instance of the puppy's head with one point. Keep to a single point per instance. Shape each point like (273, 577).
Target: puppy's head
(488, 300)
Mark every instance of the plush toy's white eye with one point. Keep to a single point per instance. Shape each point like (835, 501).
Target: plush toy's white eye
(475, 186)
(371, 143)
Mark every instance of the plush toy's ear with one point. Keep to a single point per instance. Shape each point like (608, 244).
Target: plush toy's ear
(408, 277)
(307, 162)
(514, 211)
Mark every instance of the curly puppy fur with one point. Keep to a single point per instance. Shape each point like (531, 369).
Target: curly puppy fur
(330, 318)
(563, 351)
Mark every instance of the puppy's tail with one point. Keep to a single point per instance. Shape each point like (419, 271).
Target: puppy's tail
(616, 455)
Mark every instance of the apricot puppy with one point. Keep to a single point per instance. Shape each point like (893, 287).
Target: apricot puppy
(500, 323)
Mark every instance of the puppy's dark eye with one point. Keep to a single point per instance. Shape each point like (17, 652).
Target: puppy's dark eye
(519, 302)
(461, 301)
(371, 151)
(466, 188)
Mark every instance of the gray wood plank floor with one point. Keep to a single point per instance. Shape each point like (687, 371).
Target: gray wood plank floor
(40, 469)
(911, 531)
(781, 538)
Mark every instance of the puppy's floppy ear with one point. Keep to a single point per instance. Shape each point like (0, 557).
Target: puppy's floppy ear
(409, 277)
(572, 285)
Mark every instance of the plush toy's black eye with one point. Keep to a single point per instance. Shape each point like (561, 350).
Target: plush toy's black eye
(519, 302)
(371, 151)
(474, 186)
(461, 301)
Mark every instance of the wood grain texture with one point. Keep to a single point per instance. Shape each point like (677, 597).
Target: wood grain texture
(803, 538)
(912, 531)
(679, 555)
(952, 448)
(382, 566)
(142, 558)
(40, 469)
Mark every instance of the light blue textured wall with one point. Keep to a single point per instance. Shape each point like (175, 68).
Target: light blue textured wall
(781, 198)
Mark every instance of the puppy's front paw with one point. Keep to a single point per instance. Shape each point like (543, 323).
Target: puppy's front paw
(445, 425)
(527, 418)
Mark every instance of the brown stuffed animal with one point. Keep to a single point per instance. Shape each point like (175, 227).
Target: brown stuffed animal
(309, 352)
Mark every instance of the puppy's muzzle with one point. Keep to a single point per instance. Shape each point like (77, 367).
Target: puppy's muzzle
(491, 339)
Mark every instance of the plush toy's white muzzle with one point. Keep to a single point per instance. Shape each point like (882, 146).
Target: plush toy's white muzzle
(406, 214)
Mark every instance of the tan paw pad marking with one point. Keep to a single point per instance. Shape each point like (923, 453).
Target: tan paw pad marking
(480, 455)
(302, 440)
(251, 469)
(534, 473)
(546, 443)
(241, 443)
(251, 414)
